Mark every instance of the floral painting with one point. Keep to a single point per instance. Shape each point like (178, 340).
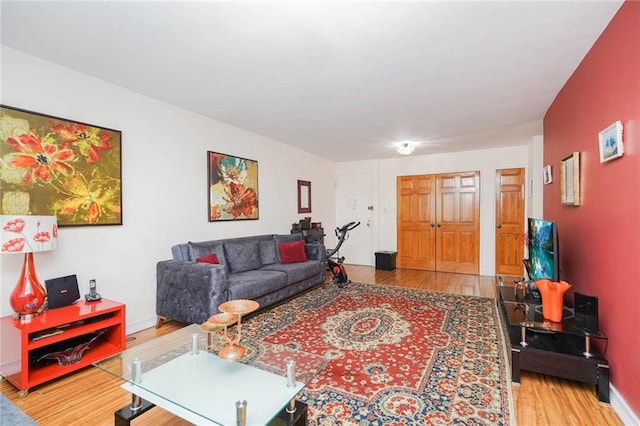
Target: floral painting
(233, 187)
(53, 166)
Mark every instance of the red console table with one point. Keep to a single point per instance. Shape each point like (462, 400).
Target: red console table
(24, 343)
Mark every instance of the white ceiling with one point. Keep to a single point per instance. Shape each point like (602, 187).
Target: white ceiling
(343, 80)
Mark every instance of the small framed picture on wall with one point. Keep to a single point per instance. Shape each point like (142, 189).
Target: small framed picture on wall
(610, 142)
(546, 175)
(570, 180)
(304, 196)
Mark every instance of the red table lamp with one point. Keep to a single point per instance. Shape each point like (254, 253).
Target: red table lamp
(27, 234)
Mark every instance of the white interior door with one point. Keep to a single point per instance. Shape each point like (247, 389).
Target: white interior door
(354, 204)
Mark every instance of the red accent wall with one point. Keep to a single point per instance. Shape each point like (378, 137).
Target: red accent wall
(600, 239)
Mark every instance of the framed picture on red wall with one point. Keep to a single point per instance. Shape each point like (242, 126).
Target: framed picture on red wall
(610, 140)
(570, 180)
(547, 178)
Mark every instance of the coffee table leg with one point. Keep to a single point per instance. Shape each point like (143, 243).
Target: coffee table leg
(297, 417)
(125, 415)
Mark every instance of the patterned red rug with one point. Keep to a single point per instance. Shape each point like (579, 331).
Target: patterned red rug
(398, 356)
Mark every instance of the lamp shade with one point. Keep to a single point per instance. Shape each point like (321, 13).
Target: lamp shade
(28, 234)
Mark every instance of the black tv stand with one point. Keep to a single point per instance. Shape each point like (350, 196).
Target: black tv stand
(535, 295)
(559, 349)
(529, 287)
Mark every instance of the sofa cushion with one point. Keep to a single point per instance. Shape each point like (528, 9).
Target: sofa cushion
(286, 238)
(242, 256)
(292, 252)
(210, 258)
(205, 248)
(254, 284)
(297, 271)
(268, 252)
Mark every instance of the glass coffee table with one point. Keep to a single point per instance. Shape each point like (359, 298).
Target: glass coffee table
(182, 373)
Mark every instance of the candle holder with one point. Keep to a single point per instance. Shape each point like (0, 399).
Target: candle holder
(232, 312)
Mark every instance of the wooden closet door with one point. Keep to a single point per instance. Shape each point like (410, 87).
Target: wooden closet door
(509, 221)
(416, 222)
(458, 222)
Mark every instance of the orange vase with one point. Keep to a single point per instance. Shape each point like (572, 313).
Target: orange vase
(552, 293)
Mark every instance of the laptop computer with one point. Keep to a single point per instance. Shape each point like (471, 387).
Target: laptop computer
(62, 291)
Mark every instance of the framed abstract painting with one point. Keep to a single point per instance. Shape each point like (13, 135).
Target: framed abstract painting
(232, 186)
(55, 166)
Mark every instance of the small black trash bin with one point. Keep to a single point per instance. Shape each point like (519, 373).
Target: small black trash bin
(386, 260)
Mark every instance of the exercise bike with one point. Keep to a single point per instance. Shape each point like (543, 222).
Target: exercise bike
(335, 264)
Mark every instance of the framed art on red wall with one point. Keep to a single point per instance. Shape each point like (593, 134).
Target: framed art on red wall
(570, 180)
(610, 142)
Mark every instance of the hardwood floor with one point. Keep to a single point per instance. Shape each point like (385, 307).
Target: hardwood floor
(91, 396)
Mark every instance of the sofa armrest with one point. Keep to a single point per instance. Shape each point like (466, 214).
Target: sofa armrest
(315, 251)
(190, 292)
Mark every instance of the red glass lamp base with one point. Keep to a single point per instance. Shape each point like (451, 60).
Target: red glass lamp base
(28, 295)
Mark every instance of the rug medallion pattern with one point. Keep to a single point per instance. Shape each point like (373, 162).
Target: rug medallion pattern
(398, 356)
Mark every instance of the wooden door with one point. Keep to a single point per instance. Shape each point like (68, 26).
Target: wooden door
(416, 222)
(458, 222)
(509, 221)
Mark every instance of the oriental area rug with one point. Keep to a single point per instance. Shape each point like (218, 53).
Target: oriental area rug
(398, 356)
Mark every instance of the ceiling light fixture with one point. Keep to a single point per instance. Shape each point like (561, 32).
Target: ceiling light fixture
(405, 148)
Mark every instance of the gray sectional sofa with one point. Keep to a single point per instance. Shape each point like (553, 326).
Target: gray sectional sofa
(249, 268)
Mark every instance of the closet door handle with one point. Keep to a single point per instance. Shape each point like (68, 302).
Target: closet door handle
(498, 226)
(432, 225)
(439, 225)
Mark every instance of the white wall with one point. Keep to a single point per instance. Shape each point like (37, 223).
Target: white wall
(486, 161)
(535, 181)
(164, 169)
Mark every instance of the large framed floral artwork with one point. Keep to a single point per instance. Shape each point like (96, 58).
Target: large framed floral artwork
(54, 166)
(233, 187)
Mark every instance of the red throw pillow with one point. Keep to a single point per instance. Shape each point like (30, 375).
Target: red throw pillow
(292, 252)
(210, 258)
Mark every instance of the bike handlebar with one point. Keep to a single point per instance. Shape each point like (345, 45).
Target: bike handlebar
(341, 233)
(348, 227)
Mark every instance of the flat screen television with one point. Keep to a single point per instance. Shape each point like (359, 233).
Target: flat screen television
(543, 250)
